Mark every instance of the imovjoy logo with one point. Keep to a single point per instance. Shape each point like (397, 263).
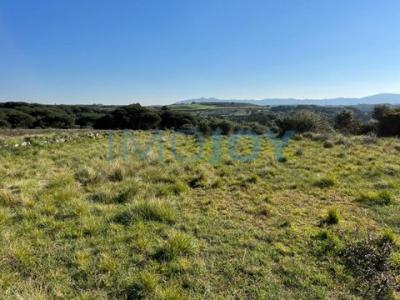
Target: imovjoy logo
(158, 139)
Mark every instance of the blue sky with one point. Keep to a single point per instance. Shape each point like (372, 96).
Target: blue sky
(157, 52)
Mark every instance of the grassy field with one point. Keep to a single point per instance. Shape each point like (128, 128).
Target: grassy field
(74, 224)
(194, 106)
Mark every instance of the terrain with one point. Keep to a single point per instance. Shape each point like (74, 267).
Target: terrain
(386, 98)
(89, 215)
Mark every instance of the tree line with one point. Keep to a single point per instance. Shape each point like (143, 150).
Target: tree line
(134, 116)
(384, 120)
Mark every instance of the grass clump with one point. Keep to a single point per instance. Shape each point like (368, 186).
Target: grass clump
(117, 173)
(298, 152)
(282, 159)
(127, 194)
(108, 196)
(325, 182)
(197, 181)
(173, 189)
(151, 210)
(332, 217)
(143, 287)
(263, 210)
(374, 198)
(8, 199)
(328, 243)
(178, 244)
(171, 293)
(86, 176)
(328, 144)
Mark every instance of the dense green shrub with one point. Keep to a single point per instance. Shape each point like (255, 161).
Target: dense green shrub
(346, 123)
(389, 124)
(18, 119)
(171, 119)
(225, 127)
(302, 121)
(129, 117)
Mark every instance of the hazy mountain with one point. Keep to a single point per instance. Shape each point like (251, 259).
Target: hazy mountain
(374, 99)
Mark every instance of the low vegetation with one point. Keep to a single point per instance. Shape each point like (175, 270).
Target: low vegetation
(225, 118)
(76, 225)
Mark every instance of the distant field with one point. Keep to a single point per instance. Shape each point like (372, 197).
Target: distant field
(74, 224)
(191, 107)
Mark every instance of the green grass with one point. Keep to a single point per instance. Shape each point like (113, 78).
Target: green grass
(75, 226)
(376, 198)
(148, 210)
(195, 106)
(176, 245)
(332, 217)
(325, 182)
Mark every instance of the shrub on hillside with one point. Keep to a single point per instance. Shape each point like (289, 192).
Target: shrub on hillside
(18, 119)
(303, 121)
(345, 122)
(389, 124)
(129, 117)
(223, 126)
(388, 120)
(171, 119)
(370, 262)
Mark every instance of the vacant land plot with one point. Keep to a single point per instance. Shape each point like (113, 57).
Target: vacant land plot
(161, 224)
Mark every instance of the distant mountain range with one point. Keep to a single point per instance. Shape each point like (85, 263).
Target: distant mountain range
(393, 99)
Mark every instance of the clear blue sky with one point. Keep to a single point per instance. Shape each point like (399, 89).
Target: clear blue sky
(148, 51)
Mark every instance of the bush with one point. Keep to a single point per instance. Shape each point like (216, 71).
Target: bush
(176, 120)
(129, 117)
(4, 123)
(380, 111)
(369, 260)
(344, 122)
(389, 124)
(388, 120)
(303, 121)
(19, 119)
(225, 127)
(204, 128)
